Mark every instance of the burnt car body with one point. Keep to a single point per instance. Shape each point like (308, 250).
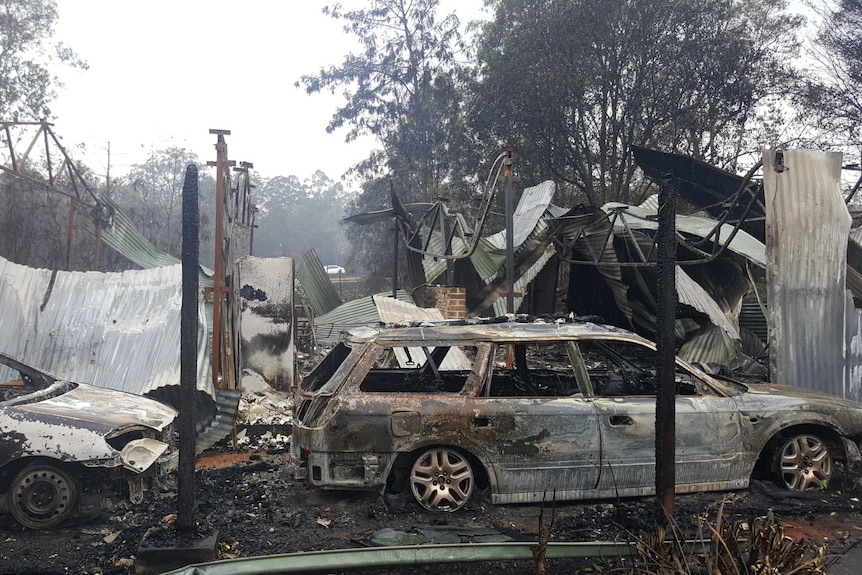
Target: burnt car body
(540, 411)
(54, 432)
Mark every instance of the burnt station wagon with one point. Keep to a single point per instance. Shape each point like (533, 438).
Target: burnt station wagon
(535, 411)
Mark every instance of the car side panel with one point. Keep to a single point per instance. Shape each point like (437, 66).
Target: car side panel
(709, 444)
(536, 447)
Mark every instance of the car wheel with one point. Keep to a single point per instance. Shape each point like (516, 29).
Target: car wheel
(803, 462)
(442, 479)
(43, 496)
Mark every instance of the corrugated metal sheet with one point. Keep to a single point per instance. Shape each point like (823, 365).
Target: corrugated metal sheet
(752, 319)
(114, 330)
(359, 312)
(316, 284)
(124, 237)
(400, 312)
(712, 345)
(853, 342)
(500, 305)
(490, 252)
(690, 293)
(642, 217)
(807, 229)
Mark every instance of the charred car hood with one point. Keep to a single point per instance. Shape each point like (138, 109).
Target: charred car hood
(802, 395)
(101, 410)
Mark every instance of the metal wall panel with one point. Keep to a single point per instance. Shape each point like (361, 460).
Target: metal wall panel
(807, 228)
(115, 330)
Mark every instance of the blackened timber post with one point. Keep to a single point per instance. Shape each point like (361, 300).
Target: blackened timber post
(188, 351)
(665, 414)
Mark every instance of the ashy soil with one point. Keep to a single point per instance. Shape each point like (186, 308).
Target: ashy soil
(251, 499)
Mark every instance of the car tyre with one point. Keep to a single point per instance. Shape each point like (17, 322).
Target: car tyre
(803, 462)
(442, 479)
(43, 496)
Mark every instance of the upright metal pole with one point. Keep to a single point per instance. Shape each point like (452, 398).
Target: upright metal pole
(188, 352)
(395, 263)
(510, 230)
(665, 413)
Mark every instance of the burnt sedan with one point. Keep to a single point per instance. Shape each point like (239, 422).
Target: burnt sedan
(54, 432)
(545, 411)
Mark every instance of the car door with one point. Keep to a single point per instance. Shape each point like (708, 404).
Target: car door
(708, 433)
(536, 430)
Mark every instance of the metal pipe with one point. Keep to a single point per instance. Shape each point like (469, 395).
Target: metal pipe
(342, 560)
(510, 231)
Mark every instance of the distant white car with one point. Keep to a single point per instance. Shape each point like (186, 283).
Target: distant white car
(334, 270)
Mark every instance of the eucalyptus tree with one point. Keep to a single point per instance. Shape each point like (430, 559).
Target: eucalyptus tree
(151, 196)
(27, 48)
(575, 82)
(832, 93)
(405, 88)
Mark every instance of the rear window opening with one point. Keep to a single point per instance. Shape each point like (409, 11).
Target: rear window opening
(441, 369)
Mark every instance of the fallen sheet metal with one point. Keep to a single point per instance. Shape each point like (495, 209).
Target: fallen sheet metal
(395, 311)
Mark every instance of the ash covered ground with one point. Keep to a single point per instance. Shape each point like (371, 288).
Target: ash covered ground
(250, 498)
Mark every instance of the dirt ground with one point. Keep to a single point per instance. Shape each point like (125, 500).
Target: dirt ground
(250, 498)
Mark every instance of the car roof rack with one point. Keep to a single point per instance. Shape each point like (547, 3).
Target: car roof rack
(514, 318)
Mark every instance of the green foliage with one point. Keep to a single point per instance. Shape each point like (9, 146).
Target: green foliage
(574, 83)
(26, 85)
(297, 216)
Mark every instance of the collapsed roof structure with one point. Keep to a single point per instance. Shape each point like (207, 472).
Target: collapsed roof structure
(610, 252)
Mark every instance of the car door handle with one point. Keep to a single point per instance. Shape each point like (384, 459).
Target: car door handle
(481, 422)
(621, 420)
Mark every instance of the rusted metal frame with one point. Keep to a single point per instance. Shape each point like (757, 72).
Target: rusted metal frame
(607, 240)
(743, 187)
(631, 234)
(11, 148)
(488, 195)
(74, 174)
(705, 257)
(40, 184)
(219, 287)
(458, 228)
(436, 216)
(33, 144)
(665, 412)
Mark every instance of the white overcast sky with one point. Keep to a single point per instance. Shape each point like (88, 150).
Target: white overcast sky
(164, 72)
